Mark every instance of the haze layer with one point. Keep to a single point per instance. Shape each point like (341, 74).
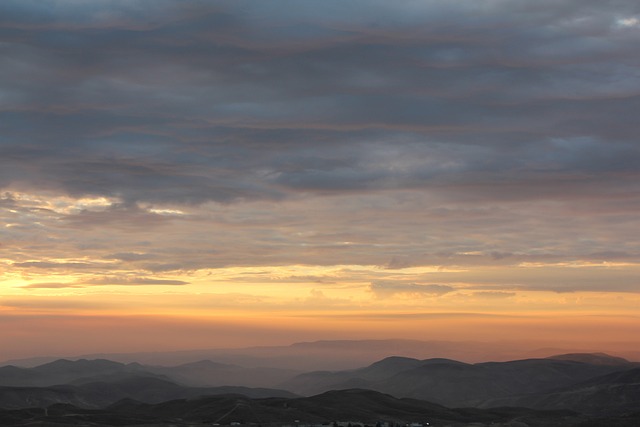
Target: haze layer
(181, 174)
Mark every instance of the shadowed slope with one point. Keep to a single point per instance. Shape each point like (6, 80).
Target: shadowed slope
(453, 383)
(611, 394)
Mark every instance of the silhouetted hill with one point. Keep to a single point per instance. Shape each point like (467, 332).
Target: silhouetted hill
(357, 406)
(326, 355)
(387, 367)
(12, 375)
(209, 373)
(39, 397)
(99, 394)
(368, 406)
(594, 359)
(606, 387)
(58, 372)
(79, 367)
(320, 381)
(200, 374)
(611, 394)
(534, 375)
(453, 383)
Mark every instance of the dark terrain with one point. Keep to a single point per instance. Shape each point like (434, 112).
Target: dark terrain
(358, 406)
(567, 390)
(596, 386)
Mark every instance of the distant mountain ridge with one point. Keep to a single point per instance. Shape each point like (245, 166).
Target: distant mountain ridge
(202, 373)
(105, 390)
(330, 355)
(209, 373)
(608, 386)
(592, 358)
(61, 371)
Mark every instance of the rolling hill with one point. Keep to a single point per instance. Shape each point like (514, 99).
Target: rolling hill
(356, 406)
(452, 383)
(611, 394)
(595, 385)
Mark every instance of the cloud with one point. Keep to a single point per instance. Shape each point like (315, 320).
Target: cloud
(134, 281)
(494, 294)
(396, 98)
(388, 289)
(107, 281)
(318, 300)
(129, 256)
(52, 285)
(628, 22)
(125, 216)
(55, 265)
(441, 134)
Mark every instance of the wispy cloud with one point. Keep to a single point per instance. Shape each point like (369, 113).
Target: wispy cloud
(52, 285)
(134, 281)
(386, 289)
(106, 281)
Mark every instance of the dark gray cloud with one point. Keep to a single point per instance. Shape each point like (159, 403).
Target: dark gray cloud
(55, 265)
(117, 216)
(192, 101)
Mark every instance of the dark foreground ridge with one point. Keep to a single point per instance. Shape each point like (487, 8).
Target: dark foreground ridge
(342, 408)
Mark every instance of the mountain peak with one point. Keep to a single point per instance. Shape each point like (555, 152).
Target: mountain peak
(207, 364)
(78, 364)
(396, 360)
(592, 359)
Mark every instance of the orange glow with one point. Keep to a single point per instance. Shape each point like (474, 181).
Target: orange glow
(66, 313)
(80, 334)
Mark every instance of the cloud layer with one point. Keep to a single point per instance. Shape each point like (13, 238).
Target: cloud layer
(228, 101)
(145, 142)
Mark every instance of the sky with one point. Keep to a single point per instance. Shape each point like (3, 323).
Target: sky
(183, 174)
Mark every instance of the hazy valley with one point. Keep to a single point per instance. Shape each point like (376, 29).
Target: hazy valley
(570, 389)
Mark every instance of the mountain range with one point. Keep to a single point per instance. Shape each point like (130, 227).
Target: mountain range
(343, 408)
(453, 383)
(333, 354)
(576, 388)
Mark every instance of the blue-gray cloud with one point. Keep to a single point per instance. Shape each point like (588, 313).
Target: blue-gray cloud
(193, 101)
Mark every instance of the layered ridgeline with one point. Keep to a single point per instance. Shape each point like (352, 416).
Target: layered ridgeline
(333, 354)
(536, 383)
(201, 373)
(573, 387)
(343, 408)
(97, 383)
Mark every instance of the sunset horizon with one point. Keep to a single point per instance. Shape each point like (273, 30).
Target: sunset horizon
(181, 175)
